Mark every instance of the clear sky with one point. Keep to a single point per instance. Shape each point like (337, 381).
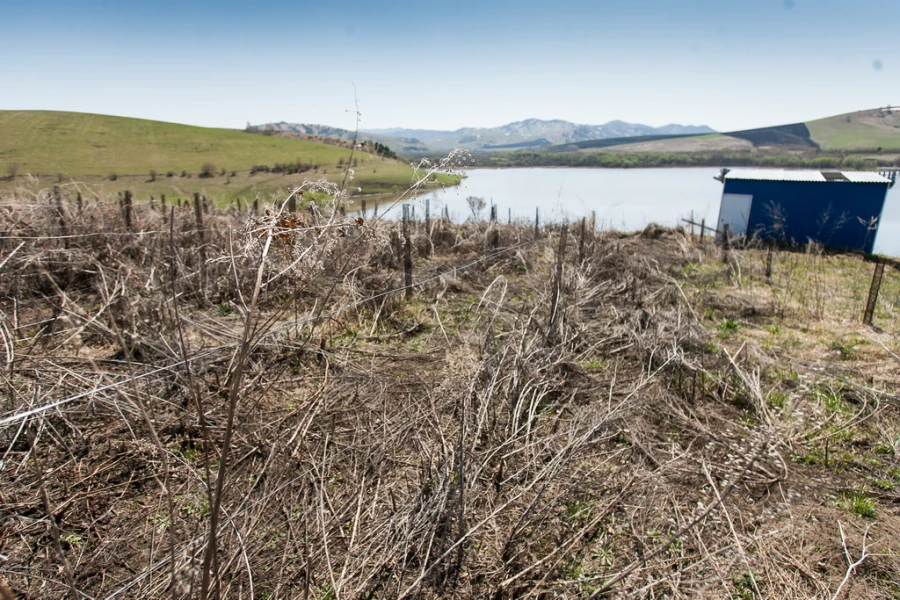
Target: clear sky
(728, 64)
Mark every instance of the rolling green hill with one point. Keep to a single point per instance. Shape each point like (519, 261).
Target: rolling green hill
(85, 144)
(868, 135)
(865, 130)
(93, 148)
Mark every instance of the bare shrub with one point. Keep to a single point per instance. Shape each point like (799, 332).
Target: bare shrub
(278, 412)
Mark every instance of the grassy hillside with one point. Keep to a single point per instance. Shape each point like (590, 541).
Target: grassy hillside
(859, 131)
(873, 132)
(90, 148)
(84, 144)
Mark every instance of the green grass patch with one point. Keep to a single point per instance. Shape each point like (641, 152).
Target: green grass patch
(866, 130)
(727, 327)
(859, 504)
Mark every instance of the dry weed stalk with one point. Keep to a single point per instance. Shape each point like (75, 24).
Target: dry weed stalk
(286, 425)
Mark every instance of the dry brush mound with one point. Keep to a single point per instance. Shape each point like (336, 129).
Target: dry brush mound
(546, 414)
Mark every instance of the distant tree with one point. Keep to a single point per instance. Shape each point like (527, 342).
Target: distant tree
(207, 170)
(12, 169)
(476, 205)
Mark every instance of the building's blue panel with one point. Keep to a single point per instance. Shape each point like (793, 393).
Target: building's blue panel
(838, 214)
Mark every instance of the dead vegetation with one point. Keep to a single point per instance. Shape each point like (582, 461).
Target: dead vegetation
(547, 414)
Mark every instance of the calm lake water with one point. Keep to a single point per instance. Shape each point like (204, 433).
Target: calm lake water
(624, 199)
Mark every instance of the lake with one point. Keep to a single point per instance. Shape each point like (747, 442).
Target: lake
(624, 199)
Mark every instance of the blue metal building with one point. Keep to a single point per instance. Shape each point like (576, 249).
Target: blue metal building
(838, 209)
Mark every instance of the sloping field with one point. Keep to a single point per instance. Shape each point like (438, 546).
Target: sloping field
(53, 142)
(795, 135)
(713, 142)
(106, 155)
(863, 130)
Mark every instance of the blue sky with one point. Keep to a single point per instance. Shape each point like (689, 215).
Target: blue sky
(726, 63)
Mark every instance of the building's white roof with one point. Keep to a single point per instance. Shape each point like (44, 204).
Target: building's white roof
(864, 177)
(797, 175)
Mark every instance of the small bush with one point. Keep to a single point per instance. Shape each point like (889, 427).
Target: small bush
(207, 170)
(170, 173)
(112, 176)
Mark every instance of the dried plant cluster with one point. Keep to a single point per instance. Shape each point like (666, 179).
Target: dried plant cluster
(256, 408)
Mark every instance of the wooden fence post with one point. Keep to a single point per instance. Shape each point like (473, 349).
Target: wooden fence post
(702, 229)
(556, 286)
(769, 257)
(407, 255)
(581, 239)
(428, 227)
(255, 205)
(493, 213)
(61, 215)
(126, 210)
(198, 218)
(292, 203)
(875, 286)
(198, 215)
(537, 221)
(726, 245)
(80, 203)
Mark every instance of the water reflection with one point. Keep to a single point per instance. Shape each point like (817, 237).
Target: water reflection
(623, 199)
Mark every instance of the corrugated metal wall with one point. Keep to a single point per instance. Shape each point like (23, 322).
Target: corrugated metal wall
(838, 214)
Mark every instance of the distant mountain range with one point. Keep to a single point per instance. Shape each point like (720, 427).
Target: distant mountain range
(529, 133)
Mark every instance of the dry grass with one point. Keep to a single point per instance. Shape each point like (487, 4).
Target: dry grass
(468, 442)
